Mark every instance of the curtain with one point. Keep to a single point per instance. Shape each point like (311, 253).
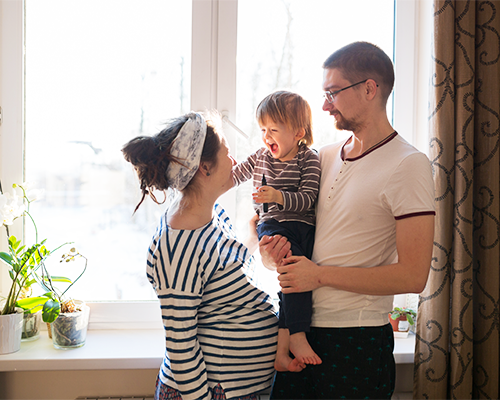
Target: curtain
(457, 345)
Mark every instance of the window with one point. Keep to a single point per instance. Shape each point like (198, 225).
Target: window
(106, 72)
(99, 73)
(281, 45)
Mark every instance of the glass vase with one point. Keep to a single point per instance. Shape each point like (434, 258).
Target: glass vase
(69, 330)
(31, 326)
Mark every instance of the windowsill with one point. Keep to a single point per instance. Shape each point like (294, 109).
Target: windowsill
(120, 349)
(404, 349)
(103, 350)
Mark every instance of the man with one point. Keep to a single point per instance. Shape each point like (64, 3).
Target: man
(374, 236)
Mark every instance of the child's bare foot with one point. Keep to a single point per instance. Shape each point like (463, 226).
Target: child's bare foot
(300, 348)
(285, 363)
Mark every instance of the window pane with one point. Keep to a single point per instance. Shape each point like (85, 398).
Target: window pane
(99, 73)
(282, 44)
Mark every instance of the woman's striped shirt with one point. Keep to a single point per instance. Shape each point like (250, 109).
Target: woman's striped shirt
(219, 328)
(297, 179)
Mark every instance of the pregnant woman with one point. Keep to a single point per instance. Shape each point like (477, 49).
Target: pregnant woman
(220, 330)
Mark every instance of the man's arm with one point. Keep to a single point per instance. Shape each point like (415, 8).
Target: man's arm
(414, 241)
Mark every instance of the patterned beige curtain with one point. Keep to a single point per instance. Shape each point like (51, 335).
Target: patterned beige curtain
(457, 351)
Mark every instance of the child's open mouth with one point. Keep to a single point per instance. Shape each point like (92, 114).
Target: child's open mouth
(273, 147)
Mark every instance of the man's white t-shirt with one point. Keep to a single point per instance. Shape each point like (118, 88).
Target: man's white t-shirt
(359, 201)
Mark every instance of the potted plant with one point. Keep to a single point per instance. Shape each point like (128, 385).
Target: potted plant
(402, 318)
(20, 261)
(27, 266)
(67, 318)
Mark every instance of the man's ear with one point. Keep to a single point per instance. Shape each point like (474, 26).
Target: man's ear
(371, 89)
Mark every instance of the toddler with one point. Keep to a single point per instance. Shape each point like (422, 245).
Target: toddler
(286, 176)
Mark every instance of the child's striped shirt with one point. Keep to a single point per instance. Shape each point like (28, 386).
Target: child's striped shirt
(297, 179)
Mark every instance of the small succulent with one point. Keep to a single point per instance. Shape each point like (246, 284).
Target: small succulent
(410, 314)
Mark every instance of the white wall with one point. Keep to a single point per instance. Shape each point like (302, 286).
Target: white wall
(55, 385)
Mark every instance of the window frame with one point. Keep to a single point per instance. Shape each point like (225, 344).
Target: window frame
(213, 86)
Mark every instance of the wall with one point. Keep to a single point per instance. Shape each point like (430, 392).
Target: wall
(56, 385)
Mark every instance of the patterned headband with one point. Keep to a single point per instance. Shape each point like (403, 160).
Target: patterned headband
(187, 148)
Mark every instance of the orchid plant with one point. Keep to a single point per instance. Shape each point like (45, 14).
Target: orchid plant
(27, 264)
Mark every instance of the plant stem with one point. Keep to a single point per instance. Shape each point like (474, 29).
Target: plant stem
(79, 276)
(32, 220)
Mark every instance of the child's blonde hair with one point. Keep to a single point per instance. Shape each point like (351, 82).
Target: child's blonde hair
(289, 109)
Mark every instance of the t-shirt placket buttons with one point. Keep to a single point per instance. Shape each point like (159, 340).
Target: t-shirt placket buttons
(344, 165)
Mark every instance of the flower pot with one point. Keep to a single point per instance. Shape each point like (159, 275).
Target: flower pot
(31, 326)
(69, 330)
(399, 324)
(11, 327)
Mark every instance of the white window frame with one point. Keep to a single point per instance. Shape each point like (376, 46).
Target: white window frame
(213, 86)
(11, 103)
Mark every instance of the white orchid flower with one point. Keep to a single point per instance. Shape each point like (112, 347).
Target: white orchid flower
(11, 207)
(32, 194)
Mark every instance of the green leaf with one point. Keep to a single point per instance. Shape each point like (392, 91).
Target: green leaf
(51, 310)
(6, 257)
(32, 304)
(51, 295)
(395, 315)
(20, 249)
(58, 279)
(410, 319)
(12, 241)
(30, 282)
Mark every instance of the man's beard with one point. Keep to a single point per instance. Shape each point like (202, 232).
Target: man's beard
(344, 124)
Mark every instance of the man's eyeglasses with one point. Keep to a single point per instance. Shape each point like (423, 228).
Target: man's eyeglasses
(330, 96)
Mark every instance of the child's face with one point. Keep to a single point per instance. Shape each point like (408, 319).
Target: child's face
(282, 142)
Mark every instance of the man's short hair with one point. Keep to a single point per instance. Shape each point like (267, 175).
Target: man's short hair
(363, 60)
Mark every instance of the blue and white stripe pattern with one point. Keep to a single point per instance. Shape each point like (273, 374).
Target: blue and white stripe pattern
(219, 328)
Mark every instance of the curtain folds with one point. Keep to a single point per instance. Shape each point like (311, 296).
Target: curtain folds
(457, 350)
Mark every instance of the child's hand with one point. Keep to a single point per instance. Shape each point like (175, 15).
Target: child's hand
(267, 194)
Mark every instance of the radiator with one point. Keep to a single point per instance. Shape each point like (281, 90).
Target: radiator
(117, 398)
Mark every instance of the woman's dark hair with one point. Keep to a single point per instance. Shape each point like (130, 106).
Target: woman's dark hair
(150, 156)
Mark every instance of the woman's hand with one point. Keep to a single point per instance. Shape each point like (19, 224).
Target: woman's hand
(273, 249)
(252, 239)
(267, 194)
(299, 274)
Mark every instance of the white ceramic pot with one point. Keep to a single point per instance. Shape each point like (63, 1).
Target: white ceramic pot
(11, 328)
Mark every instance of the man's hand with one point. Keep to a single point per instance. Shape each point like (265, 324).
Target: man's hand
(267, 194)
(273, 249)
(299, 274)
